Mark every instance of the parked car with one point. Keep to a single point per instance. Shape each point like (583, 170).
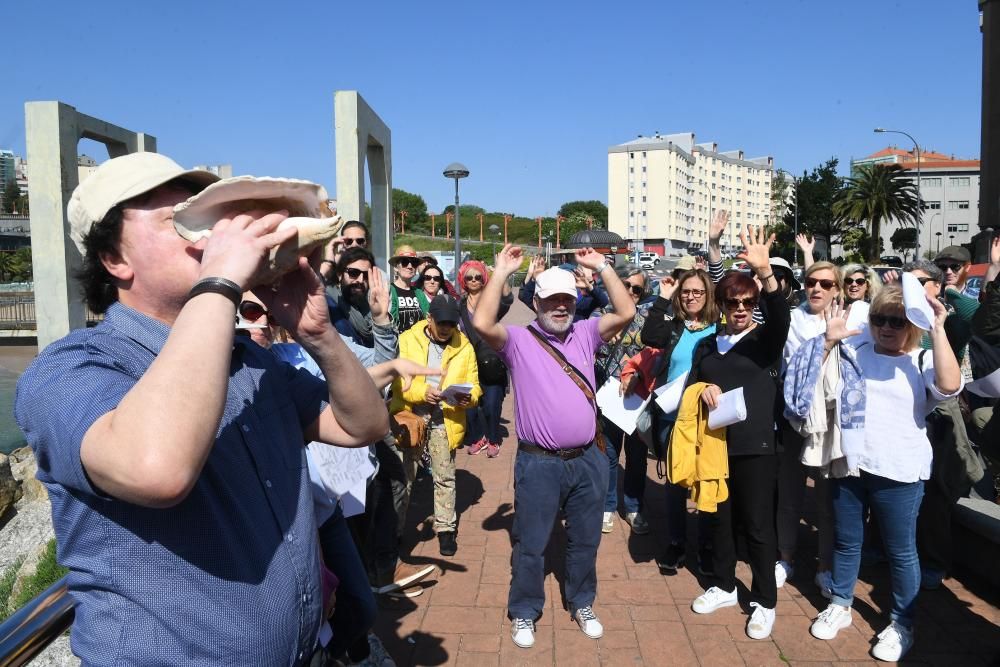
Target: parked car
(648, 260)
(892, 260)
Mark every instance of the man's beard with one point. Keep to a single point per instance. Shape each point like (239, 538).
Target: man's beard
(356, 294)
(550, 326)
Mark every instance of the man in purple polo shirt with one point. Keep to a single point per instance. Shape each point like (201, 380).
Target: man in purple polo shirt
(557, 465)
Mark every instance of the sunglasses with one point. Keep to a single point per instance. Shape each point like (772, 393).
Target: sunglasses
(855, 281)
(824, 283)
(473, 277)
(893, 321)
(432, 277)
(954, 268)
(360, 241)
(924, 281)
(251, 311)
(635, 289)
(408, 261)
(749, 303)
(354, 274)
(696, 293)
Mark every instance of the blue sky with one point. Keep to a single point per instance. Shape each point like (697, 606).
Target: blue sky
(529, 95)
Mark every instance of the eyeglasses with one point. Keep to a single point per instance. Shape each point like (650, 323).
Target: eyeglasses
(954, 268)
(635, 289)
(251, 311)
(356, 273)
(822, 282)
(360, 241)
(473, 277)
(749, 303)
(432, 277)
(924, 281)
(693, 293)
(408, 261)
(893, 321)
(854, 281)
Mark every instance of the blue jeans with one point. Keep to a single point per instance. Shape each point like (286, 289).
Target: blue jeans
(635, 469)
(895, 506)
(354, 614)
(542, 486)
(484, 419)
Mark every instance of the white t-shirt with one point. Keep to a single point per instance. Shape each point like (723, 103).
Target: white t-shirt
(897, 402)
(725, 342)
(804, 325)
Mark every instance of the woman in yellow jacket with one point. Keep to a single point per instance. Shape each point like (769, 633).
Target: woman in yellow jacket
(438, 343)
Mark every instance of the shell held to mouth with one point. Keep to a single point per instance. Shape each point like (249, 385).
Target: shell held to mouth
(305, 202)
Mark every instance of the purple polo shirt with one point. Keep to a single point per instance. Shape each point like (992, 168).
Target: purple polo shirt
(549, 409)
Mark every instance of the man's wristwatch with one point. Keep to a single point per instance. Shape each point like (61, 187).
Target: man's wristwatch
(603, 265)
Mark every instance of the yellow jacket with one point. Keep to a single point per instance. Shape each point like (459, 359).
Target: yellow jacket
(697, 457)
(459, 364)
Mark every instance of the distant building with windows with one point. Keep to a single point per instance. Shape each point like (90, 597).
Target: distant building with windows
(949, 188)
(220, 170)
(667, 188)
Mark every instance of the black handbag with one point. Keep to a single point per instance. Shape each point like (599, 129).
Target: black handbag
(491, 368)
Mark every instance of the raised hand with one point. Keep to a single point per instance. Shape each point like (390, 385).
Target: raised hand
(298, 303)
(508, 260)
(995, 250)
(378, 296)
(535, 266)
(805, 243)
(668, 286)
(836, 324)
(589, 258)
(718, 225)
(238, 246)
(890, 277)
(940, 313)
(756, 248)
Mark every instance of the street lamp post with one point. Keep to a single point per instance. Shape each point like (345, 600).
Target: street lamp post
(456, 170)
(920, 201)
(938, 235)
(930, 229)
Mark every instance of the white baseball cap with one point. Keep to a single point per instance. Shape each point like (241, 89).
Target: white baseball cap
(555, 281)
(118, 180)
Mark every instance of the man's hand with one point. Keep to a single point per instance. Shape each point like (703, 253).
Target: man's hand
(756, 249)
(238, 246)
(298, 304)
(589, 258)
(378, 296)
(406, 370)
(432, 396)
(710, 396)
(668, 286)
(508, 261)
(718, 225)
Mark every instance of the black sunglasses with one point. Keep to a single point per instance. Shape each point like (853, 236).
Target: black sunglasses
(470, 277)
(924, 281)
(361, 241)
(433, 277)
(355, 273)
(855, 281)
(822, 282)
(635, 289)
(893, 321)
(954, 268)
(251, 311)
(749, 303)
(408, 261)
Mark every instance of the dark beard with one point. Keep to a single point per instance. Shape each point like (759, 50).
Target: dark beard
(356, 294)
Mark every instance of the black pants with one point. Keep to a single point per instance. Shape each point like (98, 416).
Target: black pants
(387, 510)
(934, 529)
(748, 514)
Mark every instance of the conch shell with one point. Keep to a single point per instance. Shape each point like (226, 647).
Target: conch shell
(305, 202)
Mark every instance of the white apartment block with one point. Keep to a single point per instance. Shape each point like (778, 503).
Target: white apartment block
(667, 188)
(949, 188)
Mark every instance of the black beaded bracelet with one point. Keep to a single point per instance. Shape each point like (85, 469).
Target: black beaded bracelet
(226, 288)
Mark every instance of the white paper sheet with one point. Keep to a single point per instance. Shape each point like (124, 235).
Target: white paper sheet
(450, 394)
(668, 397)
(918, 311)
(344, 473)
(731, 409)
(622, 411)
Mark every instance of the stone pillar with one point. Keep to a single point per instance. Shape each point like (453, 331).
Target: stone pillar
(989, 184)
(361, 135)
(53, 130)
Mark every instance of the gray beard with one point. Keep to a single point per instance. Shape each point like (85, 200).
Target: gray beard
(549, 326)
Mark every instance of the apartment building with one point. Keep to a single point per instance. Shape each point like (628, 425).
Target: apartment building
(949, 188)
(666, 188)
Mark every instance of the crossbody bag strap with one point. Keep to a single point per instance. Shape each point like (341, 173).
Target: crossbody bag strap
(579, 379)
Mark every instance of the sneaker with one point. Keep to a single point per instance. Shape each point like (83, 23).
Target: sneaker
(588, 622)
(782, 572)
(824, 580)
(706, 565)
(404, 576)
(522, 631)
(671, 559)
(609, 522)
(638, 523)
(447, 544)
(830, 621)
(492, 450)
(893, 643)
(760, 623)
(477, 446)
(712, 599)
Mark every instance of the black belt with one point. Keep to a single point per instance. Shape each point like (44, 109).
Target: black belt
(564, 454)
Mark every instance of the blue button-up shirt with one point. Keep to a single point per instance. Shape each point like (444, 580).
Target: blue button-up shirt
(230, 576)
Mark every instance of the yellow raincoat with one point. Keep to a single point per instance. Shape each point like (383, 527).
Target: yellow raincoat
(697, 457)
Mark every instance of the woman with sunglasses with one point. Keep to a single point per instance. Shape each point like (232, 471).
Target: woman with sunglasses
(888, 456)
(484, 419)
(407, 304)
(432, 281)
(861, 284)
(748, 355)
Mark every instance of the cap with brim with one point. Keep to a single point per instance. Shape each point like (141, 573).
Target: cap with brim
(444, 308)
(956, 253)
(685, 263)
(786, 268)
(401, 252)
(555, 281)
(118, 180)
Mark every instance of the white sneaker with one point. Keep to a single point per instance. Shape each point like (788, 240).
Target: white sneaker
(522, 631)
(782, 572)
(609, 522)
(588, 622)
(824, 580)
(639, 524)
(893, 643)
(712, 599)
(760, 623)
(830, 621)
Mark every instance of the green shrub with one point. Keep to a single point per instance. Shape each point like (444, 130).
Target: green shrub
(7, 586)
(48, 572)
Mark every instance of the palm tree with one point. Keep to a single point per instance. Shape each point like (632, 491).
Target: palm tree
(878, 192)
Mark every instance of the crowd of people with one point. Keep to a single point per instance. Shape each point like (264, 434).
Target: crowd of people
(203, 520)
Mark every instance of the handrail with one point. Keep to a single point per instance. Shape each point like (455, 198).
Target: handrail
(33, 627)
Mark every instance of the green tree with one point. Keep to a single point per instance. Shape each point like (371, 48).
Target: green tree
(816, 193)
(779, 195)
(877, 193)
(414, 205)
(468, 211)
(11, 193)
(21, 271)
(591, 207)
(903, 239)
